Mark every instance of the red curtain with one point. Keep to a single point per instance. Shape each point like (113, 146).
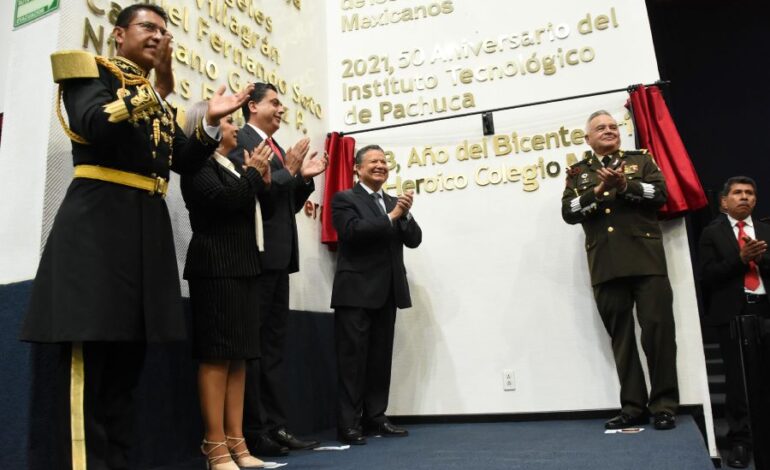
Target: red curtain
(339, 177)
(656, 132)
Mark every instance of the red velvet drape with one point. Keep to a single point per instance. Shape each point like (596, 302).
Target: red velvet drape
(656, 132)
(339, 177)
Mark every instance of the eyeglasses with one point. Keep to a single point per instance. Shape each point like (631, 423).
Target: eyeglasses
(151, 28)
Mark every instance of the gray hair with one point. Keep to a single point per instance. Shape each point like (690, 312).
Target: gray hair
(596, 114)
(193, 116)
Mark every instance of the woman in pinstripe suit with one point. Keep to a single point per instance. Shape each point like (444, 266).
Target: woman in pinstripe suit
(221, 268)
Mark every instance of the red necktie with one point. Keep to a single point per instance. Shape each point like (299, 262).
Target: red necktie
(751, 278)
(276, 151)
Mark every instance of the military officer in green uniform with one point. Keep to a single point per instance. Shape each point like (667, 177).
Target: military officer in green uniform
(107, 282)
(615, 196)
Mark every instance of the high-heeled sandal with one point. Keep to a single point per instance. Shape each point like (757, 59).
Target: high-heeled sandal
(244, 459)
(212, 461)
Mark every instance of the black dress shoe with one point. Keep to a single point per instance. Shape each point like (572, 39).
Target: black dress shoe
(665, 420)
(262, 445)
(283, 437)
(738, 457)
(386, 429)
(624, 420)
(351, 436)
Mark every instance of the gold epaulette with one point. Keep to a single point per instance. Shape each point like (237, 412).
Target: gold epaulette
(66, 65)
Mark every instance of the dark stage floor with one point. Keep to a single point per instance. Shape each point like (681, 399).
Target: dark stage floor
(556, 445)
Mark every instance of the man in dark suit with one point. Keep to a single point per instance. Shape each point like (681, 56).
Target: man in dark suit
(615, 196)
(265, 415)
(369, 284)
(735, 270)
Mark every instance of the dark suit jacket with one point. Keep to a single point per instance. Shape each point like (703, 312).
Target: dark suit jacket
(722, 270)
(370, 256)
(287, 197)
(222, 210)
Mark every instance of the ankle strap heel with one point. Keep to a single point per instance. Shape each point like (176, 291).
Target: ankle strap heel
(217, 462)
(244, 459)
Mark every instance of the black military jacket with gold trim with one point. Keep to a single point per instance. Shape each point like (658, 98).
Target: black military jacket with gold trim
(149, 143)
(108, 271)
(623, 237)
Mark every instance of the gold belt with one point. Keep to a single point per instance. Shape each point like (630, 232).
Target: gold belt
(154, 186)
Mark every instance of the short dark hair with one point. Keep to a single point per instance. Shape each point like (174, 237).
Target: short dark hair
(127, 14)
(259, 92)
(737, 180)
(361, 152)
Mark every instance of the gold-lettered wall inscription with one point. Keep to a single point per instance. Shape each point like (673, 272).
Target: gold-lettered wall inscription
(392, 14)
(215, 42)
(491, 162)
(424, 82)
(498, 160)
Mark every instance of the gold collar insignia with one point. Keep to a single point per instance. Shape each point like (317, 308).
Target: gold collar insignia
(128, 67)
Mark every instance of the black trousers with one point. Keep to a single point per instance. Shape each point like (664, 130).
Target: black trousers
(266, 390)
(364, 345)
(111, 372)
(736, 409)
(653, 298)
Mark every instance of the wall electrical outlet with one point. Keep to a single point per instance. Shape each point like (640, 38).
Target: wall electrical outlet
(509, 380)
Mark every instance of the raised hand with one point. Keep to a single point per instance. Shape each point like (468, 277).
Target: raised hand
(312, 166)
(164, 75)
(221, 105)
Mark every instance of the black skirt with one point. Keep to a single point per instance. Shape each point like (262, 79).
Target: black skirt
(225, 318)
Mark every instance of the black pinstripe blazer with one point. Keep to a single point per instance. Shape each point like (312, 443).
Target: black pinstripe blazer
(222, 208)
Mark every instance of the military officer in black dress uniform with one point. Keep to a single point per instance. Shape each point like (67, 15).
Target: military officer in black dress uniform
(615, 196)
(107, 281)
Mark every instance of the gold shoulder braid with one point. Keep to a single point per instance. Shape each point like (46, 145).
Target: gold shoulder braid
(80, 64)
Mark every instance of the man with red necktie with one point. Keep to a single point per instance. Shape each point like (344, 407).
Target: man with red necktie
(735, 270)
(292, 172)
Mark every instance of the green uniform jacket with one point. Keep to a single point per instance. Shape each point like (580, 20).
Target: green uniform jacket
(623, 237)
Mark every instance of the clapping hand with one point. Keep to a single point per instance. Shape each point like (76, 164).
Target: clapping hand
(312, 166)
(295, 156)
(164, 75)
(259, 159)
(613, 178)
(610, 178)
(403, 205)
(752, 250)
